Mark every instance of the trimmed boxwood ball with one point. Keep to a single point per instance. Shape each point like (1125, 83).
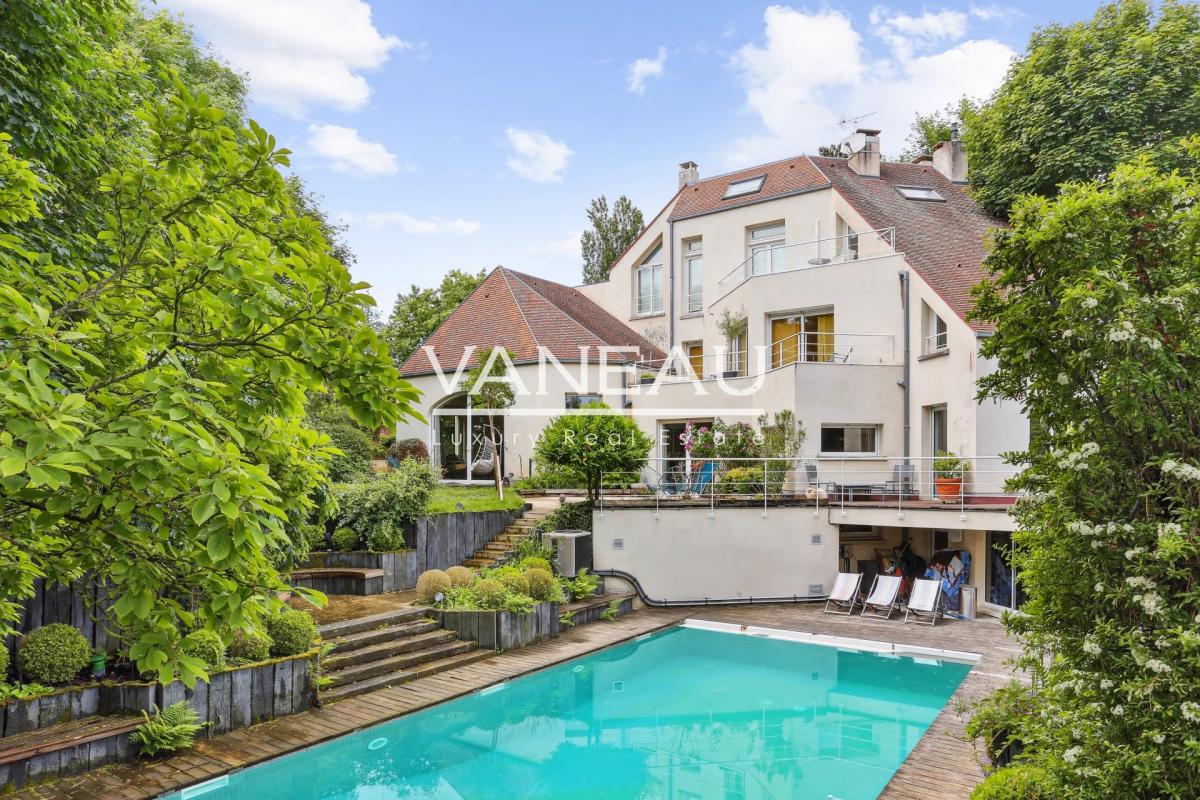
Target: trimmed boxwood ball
(206, 646)
(431, 583)
(292, 632)
(490, 593)
(249, 647)
(535, 562)
(460, 576)
(542, 586)
(512, 579)
(53, 654)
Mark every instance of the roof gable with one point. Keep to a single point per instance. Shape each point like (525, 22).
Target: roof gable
(781, 178)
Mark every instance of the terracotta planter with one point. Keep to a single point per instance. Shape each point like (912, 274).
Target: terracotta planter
(948, 488)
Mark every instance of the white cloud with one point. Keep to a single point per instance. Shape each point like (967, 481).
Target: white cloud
(376, 220)
(536, 156)
(644, 69)
(566, 246)
(996, 13)
(298, 53)
(905, 33)
(812, 70)
(349, 152)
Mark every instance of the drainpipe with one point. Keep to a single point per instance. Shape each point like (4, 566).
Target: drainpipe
(671, 262)
(906, 382)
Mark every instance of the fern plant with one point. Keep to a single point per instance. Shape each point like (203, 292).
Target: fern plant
(610, 614)
(170, 729)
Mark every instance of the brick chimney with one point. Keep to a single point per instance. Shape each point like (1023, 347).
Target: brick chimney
(863, 145)
(950, 159)
(689, 173)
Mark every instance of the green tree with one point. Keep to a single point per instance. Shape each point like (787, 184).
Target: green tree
(831, 151)
(592, 444)
(610, 235)
(1095, 297)
(151, 395)
(327, 415)
(491, 389)
(1086, 97)
(418, 312)
(929, 130)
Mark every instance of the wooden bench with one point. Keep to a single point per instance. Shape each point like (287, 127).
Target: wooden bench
(65, 748)
(340, 580)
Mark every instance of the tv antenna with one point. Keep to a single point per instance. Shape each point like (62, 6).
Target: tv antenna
(851, 120)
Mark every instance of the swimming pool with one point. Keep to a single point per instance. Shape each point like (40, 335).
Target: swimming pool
(688, 713)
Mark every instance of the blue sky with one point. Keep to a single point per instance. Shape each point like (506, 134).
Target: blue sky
(465, 135)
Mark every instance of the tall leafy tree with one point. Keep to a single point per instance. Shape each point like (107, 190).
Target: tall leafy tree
(1095, 297)
(929, 130)
(153, 377)
(1086, 97)
(418, 312)
(611, 233)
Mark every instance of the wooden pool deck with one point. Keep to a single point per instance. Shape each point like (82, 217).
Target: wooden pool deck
(943, 766)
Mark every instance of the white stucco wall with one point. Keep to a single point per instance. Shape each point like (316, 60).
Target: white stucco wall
(685, 555)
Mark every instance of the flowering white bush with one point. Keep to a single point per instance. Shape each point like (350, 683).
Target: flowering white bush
(1095, 298)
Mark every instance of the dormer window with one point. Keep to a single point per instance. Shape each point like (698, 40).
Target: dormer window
(743, 187)
(920, 193)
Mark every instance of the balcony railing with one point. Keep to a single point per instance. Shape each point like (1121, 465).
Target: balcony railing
(980, 483)
(805, 255)
(799, 348)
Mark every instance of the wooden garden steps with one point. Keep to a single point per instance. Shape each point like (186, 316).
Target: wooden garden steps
(498, 549)
(65, 748)
(388, 649)
(340, 580)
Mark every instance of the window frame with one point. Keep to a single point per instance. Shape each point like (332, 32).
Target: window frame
(649, 266)
(934, 341)
(928, 194)
(757, 181)
(875, 428)
(693, 297)
(767, 245)
(573, 401)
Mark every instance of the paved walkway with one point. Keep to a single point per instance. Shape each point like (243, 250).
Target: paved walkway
(943, 766)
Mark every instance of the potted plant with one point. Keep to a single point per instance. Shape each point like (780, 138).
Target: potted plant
(948, 472)
(97, 661)
(733, 327)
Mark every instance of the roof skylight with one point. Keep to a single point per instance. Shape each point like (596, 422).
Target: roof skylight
(747, 186)
(920, 193)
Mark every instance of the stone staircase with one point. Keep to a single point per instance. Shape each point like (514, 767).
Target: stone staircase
(496, 551)
(388, 649)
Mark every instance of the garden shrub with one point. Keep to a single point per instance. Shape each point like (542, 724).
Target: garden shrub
(315, 537)
(206, 646)
(741, 480)
(542, 585)
(3, 664)
(292, 632)
(1018, 782)
(548, 478)
(345, 540)
(431, 583)
(568, 517)
(534, 562)
(996, 720)
(534, 546)
(53, 654)
(513, 579)
(584, 584)
(460, 576)
(171, 729)
(408, 450)
(385, 538)
(490, 594)
(249, 647)
(394, 499)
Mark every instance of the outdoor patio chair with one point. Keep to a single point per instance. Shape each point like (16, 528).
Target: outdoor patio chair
(884, 597)
(671, 483)
(703, 478)
(903, 477)
(810, 475)
(844, 594)
(925, 601)
(485, 459)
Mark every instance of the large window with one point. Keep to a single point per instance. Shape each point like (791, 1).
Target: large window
(850, 439)
(572, 400)
(694, 267)
(847, 241)
(767, 252)
(1003, 588)
(648, 290)
(802, 337)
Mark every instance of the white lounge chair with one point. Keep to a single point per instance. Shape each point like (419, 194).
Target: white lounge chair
(844, 594)
(484, 459)
(925, 601)
(885, 592)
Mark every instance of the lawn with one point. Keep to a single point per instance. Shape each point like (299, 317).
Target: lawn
(445, 499)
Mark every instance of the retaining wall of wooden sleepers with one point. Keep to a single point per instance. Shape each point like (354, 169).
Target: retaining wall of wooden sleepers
(435, 542)
(502, 630)
(82, 604)
(233, 698)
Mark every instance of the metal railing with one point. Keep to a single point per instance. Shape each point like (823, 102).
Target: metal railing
(936, 342)
(805, 255)
(834, 482)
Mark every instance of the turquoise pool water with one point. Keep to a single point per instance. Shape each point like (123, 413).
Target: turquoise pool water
(686, 713)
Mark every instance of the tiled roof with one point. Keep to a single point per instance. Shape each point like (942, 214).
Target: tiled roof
(520, 312)
(790, 176)
(943, 242)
